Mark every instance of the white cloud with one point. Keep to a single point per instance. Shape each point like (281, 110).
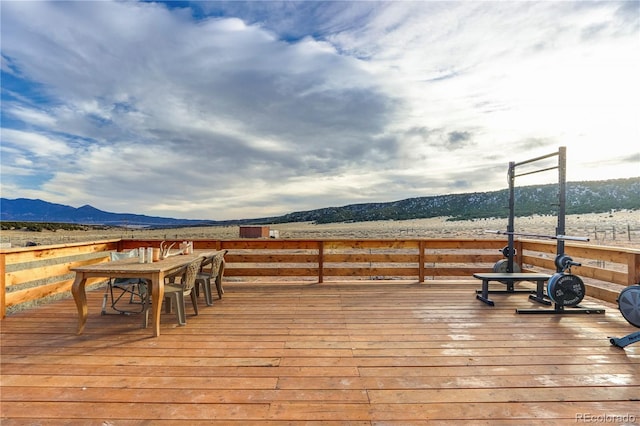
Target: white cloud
(30, 115)
(35, 144)
(266, 108)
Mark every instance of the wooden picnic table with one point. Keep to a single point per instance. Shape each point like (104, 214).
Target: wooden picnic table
(154, 273)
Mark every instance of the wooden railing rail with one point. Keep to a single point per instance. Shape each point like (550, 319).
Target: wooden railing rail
(28, 275)
(349, 259)
(33, 273)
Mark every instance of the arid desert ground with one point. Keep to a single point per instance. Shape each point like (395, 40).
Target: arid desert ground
(621, 228)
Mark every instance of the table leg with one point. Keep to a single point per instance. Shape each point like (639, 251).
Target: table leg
(80, 297)
(157, 294)
(146, 302)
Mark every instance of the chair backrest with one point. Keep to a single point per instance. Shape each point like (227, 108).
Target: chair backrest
(117, 255)
(190, 273)
(205, 263)
(214, 262)
(220, 270)
(217, 263)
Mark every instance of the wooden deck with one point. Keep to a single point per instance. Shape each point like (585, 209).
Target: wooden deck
(370, 353)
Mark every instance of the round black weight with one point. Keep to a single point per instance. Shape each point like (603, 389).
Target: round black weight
(565, 289)
(508, 252)
(501, 266)
(563, 262)
(629, 304)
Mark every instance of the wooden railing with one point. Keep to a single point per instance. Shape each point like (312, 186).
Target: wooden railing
(29, 275)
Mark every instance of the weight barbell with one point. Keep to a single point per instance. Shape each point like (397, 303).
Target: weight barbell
(553, 237)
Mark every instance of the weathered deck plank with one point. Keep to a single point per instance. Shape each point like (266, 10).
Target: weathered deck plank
(392, 353)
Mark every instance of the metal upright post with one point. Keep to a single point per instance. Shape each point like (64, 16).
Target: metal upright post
(512, 213)
(562, 195)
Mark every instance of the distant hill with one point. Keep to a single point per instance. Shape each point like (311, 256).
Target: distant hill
(582, 197)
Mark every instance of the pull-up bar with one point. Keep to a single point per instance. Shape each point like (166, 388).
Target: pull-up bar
(542, 157)
(513, 165)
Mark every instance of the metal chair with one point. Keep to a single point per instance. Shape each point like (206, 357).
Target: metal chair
(177, 291)
(212, 270)
(127, 294)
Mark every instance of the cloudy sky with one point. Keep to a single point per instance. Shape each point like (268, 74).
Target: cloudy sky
(228, 110)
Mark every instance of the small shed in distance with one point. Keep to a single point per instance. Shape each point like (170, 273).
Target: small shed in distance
(254, 232)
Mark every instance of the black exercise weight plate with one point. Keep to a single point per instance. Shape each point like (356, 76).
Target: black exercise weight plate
(566, 289)
(508, 252)
(629, 304)
(563, 262)
(501, 266)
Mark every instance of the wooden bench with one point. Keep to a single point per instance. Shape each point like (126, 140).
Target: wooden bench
(509, 279)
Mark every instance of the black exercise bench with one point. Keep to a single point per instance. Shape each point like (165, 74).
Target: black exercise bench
(509, 279)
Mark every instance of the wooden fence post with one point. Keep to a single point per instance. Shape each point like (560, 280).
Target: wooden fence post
(519, 248)
(421, 247)
(633, 269)
(320, 262)
(3, 286)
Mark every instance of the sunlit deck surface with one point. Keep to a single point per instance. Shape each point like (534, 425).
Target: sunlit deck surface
(370, 353)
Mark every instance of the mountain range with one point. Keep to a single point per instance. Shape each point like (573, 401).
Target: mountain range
(581, 197)
(28, 210)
